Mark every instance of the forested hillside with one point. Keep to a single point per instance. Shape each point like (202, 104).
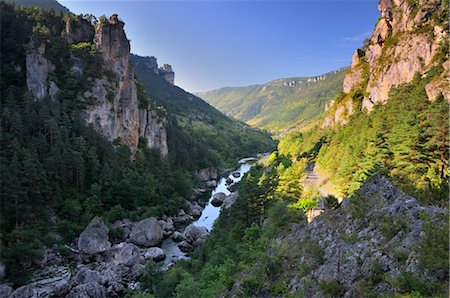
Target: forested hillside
(59, 169)
(279, 106)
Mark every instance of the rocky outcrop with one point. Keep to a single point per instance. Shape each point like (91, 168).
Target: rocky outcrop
(406, 40)
(38, 69)
(116, 113)
(94, 239)
(368, 231)
(78, 29)
(152, 127)
(167, 73)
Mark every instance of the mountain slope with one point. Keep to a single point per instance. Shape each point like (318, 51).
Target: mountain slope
(281, 105)
(192, 118)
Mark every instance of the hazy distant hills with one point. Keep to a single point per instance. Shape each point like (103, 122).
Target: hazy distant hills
(280, 105)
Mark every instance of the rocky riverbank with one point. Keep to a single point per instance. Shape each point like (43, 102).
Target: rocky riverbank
(105, 260)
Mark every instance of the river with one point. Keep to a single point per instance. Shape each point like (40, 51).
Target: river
(209, 215)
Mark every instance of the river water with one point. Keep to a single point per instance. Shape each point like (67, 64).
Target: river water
(209, 215)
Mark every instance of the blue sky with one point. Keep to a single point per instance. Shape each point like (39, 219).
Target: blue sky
(213, 44)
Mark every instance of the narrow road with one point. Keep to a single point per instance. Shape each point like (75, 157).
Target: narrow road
(313, 178)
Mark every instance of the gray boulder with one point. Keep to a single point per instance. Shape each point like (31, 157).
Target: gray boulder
(236, 174)
(88, 290)
(184, 246)
(128, 254)
(218, 199)
(147, 232)
(178, 237)
(155, 253)
(94, 238)
(229, 181)
(194, 233)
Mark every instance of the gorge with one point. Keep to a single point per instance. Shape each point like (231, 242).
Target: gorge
(116, 182)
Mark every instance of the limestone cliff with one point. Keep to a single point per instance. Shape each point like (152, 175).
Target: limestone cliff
(116, 112)
(408, 38)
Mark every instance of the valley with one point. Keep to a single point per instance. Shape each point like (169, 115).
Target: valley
(116, 182)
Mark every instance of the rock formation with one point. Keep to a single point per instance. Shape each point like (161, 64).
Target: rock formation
(116, 113)
(406, 40)
(150, 63)
(167, 73)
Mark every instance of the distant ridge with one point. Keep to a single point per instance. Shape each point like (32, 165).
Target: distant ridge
(280, 105)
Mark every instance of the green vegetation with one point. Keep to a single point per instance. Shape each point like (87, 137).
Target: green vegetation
(404, 139)
(277, 106)
(241, 247)
(58, 172)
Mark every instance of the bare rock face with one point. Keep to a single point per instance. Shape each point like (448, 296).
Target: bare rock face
(78, 30)
(404, 42)
(153, 128)
(94, 239)
(167, 73)
(38, 69)
(343, 246)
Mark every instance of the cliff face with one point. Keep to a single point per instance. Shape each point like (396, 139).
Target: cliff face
(116, 113)
(407, 39)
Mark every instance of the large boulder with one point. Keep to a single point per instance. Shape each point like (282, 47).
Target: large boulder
(147, 232)
(218, 199)
(128, 254)
(94, 239)
(155, 253)
(195, 233)
(236, 174)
